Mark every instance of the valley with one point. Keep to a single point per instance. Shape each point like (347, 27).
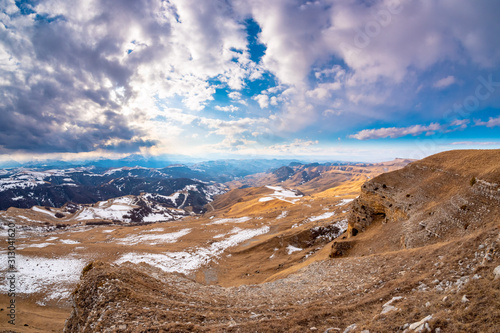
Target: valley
(300, 248)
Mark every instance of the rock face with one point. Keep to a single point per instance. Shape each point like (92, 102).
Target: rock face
(440, 197)
(375, 204)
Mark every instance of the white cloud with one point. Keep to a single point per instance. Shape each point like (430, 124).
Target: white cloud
(297, 146)
(395, 132)
(87, 79)
(227, 108)
(324, 90)
(332, 112)
(237, 97)
(460, 123)
(445, 82)
(383, 44)
(492, 122)
(263, 100)
(234, 95)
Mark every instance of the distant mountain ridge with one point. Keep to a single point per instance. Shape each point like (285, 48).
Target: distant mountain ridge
(24, 188)
(55, 183)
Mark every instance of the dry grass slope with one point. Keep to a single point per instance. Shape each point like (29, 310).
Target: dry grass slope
(425, 238)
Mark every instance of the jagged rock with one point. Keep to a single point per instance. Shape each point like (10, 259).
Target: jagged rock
(340, 248)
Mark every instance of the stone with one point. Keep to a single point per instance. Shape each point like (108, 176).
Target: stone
(396, 298)
(332, 329)
(496, 272)
(350, 328)
(388, 308)
(464, 299)
(420, 326)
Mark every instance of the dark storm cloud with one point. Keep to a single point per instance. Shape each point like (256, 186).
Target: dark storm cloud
(61, 75)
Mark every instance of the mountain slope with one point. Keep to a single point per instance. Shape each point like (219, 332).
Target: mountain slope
(390, 272)
(437, 199)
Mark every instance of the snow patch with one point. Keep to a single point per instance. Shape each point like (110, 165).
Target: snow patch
(154, 239)
(282, 215)
(324, 216)
(232, 220)
(69, 241)
(40, 210)
(281, 194)
(155, 230)
(54, 276)
(291, 249)
(39, 245)
(157, 217)
(113, 212)
(192, 259)
(344, 202)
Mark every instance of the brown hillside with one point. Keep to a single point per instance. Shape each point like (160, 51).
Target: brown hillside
(437, 199)
(313, 178)
(422, 255)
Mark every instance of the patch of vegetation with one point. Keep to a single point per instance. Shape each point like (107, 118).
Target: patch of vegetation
(473, 181)
(87, 268)
(98, 223)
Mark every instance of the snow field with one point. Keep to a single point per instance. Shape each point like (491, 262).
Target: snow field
(192, 259)
(281, 194)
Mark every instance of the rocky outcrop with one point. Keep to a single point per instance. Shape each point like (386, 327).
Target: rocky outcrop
(440, 197)
(375, 204)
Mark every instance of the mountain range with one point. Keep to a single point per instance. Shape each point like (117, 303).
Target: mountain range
(401, 246)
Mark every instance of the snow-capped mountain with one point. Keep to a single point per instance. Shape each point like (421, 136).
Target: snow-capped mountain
(24, 188)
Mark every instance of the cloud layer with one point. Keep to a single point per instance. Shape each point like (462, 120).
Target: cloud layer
(249, 76)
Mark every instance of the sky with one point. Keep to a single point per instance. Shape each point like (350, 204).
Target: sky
(353, 80)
